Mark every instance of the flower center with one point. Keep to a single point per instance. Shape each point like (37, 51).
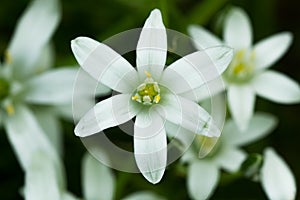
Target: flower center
(4, 89)
(241, 68)
(148, 92)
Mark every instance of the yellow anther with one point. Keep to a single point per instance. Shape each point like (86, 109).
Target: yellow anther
(135, 97)
(156, 98)
(7, 57)
(148, 74)
(10, 109)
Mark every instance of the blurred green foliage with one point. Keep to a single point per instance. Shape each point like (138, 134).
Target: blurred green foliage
(101, 19)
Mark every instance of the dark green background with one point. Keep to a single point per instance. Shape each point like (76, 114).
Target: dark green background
(104, 18)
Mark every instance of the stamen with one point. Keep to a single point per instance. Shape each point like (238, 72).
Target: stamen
(7, 57)
(147, 74)
(148, 92)
(10, 109)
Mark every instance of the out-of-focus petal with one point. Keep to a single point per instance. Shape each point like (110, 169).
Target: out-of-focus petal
(238, 30)
(202, 179)
(277, 87)
(271, 49)
(241, 100)
(98, 180)
(276, 177)
(33, 31)
(202, 38)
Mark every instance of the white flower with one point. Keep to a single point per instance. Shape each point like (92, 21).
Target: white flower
(203, 174)
(248, 73)
(151, 93)
(28, 94)
(276, 177)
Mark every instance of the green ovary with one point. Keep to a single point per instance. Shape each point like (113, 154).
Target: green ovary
(148, 92)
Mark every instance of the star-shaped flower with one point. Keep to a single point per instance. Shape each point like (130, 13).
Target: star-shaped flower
(204, 174)
(248, 74)
(29, 94)
(150, 93)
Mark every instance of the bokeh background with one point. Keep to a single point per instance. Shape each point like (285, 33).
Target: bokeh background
(101, 19)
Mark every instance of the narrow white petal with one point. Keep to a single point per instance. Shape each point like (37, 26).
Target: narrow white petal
(202, 179)
(202, 38)
(108, 113)
(104, 64)
(26, 136)
(271, 49)
(45, 60)
(68, 196)
(50, 123)
(152, 46)
(189, 115)
(277, 87)
(143, 195)
(230, 158)
(277, 179)
(238, 31)
(241, 100)
(206, 91)
(260, 125)
(54, 87)
(33, 31)
(150, 145)
(41, 178)
(98, 180)
(196, 69)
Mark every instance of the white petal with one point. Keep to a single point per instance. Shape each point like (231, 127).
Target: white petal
(260, 125)
(108, 113)
(277, 87)
(230, 158)
(50, 124)
(69, 196)
(206, 91)
(104, 64)
(45, 60)
(150, 145)
(41, 178)
(202, 38)
(241, 100)
(188, 114)
(33, 31)
(202, 179)
(152, 46)
(271, 49)
(98, 180)
(54, 87)
(237, 29)
(85, 90)
(276, 177)
(26, 136)
(195, 69)
(144, 195)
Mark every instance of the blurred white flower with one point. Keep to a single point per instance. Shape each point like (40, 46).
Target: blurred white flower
(203, 174)
(99, 183)
(276, 177)
(248, 73)
(151, 93)
(29, 94)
